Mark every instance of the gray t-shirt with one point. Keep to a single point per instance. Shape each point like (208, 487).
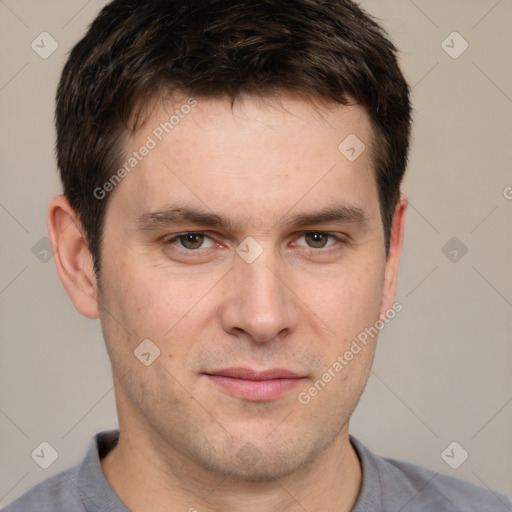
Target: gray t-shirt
(388, 486)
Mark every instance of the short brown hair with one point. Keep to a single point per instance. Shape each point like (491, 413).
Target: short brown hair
(135, 49)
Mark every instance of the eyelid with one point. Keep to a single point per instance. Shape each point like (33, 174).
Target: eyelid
(172, 239)
(336, 236)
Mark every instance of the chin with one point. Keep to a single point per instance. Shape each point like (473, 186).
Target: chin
(259, 462)
(263, 470)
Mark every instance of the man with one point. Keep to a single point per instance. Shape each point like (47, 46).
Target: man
(232, 214)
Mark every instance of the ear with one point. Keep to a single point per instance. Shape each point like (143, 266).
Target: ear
(393, 259)
(72, 257)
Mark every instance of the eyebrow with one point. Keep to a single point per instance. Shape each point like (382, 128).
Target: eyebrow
(172, 215)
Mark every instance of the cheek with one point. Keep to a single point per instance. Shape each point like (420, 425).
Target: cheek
(142, 295)
(348, 300)
(158, 304)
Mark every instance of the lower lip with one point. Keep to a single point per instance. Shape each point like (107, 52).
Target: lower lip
(256, 390)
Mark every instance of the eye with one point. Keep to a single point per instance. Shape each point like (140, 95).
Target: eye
(318, 240)
(191, 241)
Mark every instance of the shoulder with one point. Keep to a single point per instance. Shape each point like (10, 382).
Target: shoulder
(58, 493)
(80, 488)
(408, 487)
(444, 492)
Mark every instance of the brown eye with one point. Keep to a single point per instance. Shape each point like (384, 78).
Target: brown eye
(192, 240)
(317, 240)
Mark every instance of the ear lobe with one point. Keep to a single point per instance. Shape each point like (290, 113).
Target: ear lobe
(72, 257)
(395, 251)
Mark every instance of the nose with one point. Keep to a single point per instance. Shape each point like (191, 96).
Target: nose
(258, 301)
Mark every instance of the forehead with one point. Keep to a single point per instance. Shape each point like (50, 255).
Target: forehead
(253, 160)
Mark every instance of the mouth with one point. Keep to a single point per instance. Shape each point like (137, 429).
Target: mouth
(254, 385)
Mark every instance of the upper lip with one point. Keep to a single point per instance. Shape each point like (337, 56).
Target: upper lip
(250, 374)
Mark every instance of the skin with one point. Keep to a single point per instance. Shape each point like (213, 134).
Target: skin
(296, 306)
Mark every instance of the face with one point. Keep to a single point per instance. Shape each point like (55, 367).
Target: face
(250, 250)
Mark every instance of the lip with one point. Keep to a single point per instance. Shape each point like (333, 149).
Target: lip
(255, 385)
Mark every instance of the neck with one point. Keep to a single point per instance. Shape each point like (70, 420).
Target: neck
(145, 480)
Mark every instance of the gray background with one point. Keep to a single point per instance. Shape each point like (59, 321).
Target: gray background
(442, 370)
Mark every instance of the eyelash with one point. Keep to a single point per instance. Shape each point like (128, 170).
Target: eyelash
(173, 239)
